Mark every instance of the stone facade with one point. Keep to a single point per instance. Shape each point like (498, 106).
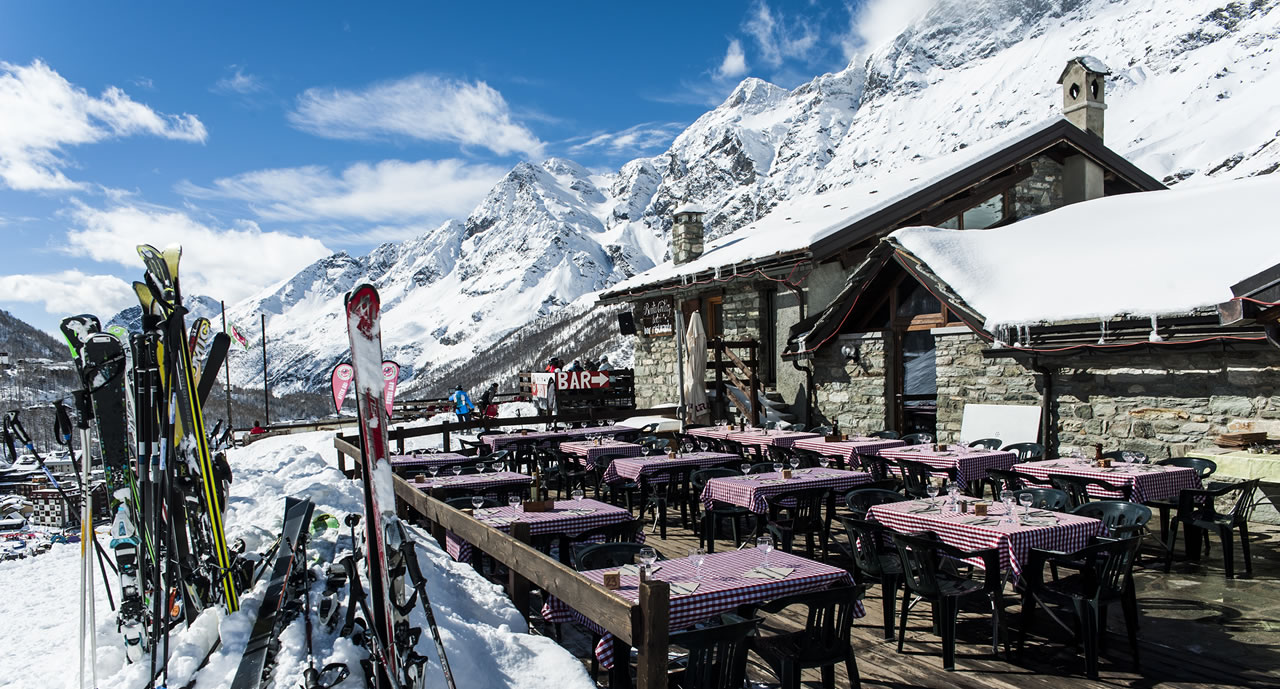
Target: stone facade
(686, 237)
(1042, 191)
(850, 390)
(1163, 404)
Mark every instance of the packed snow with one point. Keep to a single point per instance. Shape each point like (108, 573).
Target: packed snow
(484, 636)
(1146, 254)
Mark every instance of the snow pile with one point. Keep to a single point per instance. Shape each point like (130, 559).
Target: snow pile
(1144, 254)
(484, 635)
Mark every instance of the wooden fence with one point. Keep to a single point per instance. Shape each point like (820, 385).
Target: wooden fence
(643, 625)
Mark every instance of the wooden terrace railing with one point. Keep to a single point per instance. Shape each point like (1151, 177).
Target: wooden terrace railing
(742, 374)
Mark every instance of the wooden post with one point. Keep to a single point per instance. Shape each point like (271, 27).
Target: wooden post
(652, 635)
(399, 441)
(446, 441)
(437, 529)
(755, 386)
(517, 585)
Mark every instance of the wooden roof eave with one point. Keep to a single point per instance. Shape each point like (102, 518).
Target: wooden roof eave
(941, 291)
(774, 262)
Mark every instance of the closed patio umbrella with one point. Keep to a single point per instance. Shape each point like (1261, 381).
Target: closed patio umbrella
(695, 372)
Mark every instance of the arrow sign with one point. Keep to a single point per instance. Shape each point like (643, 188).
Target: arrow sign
(581, 380)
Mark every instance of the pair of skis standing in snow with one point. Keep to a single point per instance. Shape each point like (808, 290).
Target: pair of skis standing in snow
(145, 391)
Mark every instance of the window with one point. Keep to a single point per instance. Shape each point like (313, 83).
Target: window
(713, 316)
(985, 214)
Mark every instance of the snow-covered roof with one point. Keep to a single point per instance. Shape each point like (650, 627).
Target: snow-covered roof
(1089, 62)
(690, 207)
(796, 224)
(1140, 254)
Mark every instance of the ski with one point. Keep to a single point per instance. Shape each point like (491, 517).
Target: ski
(218, 349)
(288, 578)
(363, 311)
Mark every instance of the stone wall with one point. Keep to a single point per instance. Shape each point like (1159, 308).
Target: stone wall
(741, 311)
(1042, 191)
(655, 371)
(965, 377)
(851, 390)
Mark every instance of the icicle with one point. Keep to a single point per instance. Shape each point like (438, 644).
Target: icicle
(717, 272)
(735, 270)
(1017, 336)
(1155, 335)
(1102, 337)
(1002, 337)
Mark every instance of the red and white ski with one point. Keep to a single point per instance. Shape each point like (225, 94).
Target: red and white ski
(363, 311)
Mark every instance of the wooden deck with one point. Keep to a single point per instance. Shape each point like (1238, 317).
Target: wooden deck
(1198, 629)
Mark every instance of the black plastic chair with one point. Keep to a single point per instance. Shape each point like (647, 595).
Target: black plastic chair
(464, 503)
(1001, 480)
(1078, 487)
(822, 643)
(1126, 456)
(618, 492)
(732, 447)
(602, 555)
(621, 532)
(915, 477)
(670, 488)
(861, 500)
(805, 515)
(917, 438)
(1204, 468)
(762, 467)
(1105, 576)
(987, 443)
(627, 436)
(1197, 511)
(1027, 452)
(922, 556)
(872, 558)
(886, 434)
(808, 458)
(1119, 519)
(879, 469)
(1045, 498)
(738, 517)
(717, 655)
(822, 430)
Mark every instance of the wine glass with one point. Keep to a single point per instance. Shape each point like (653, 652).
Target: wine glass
(746, 468)
(457, 470)
(795, 462)
(953, 492)
(1024, 499)
(497, 466)
(931, 489)
(824, 462)
(477, 502)
(777, 466)
(765, 545)
(513, 501)
(479, 467)
(1007, 497)
(646, 449)
(577, 494)
(704, 445)
(647, 557)
(699, 556)
(434, 470)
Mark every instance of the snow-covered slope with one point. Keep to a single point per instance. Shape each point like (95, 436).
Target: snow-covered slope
(1191, 98)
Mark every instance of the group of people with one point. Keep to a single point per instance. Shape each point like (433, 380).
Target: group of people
(463, 407)
(556, 364)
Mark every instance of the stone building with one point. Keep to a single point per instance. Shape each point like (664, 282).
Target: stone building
(771, 279)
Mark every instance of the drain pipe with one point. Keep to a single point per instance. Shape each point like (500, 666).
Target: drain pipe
(1046, 402)
(810, 396)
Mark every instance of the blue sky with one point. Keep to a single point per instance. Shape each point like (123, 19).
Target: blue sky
(265, 136)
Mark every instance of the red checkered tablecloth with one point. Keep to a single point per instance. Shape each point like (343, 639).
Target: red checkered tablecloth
(753, 490)
(722, 589)
(970, 464)
(717, 432)
(404, 464)
(586, 451)
(1149, 481)
(633, 468)
(565, 519)
(1014, 541)
(498, 442)
(766, 438)
(848, 448)
(475, 482)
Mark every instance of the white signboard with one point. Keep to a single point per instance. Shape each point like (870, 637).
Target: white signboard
(1011, 423)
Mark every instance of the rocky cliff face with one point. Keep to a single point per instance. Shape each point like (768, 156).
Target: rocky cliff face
(1191, 97)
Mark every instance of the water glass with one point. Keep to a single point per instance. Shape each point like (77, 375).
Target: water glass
(777, 466)
(795, 462)
(513, 501)
(497, 466)
(931, 489)
(577, 494)
(647, 557)
(1007, 497)
(746, 468)
(477, 502)
(457, 470)
(765, 545)
(434, 470)
(1024, 499)
(698, 556)
(824, 462)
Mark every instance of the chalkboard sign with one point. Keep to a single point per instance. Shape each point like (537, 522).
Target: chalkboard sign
(656, 317)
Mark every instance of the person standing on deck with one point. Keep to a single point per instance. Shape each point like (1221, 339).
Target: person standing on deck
(461, 404)
(487, 408)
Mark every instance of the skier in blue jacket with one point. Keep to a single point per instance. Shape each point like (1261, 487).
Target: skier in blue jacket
(461, 404)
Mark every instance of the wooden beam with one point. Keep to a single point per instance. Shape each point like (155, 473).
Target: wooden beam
(652, 635)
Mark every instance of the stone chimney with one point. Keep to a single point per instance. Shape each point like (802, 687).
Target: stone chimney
(686, 233)
(1084, 86)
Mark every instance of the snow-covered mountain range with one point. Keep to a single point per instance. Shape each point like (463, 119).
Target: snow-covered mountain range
(1191, 96)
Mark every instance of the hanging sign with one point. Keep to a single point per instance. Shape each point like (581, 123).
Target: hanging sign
(656, 317)
(340, 380)
(581, 380)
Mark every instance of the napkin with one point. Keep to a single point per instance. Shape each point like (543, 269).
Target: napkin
(774, 573)
(629, 570)
(683, 588)
(925, 508)
(1038, 521)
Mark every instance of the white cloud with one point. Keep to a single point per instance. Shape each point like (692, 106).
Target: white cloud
(734, 64)
(422, 107)
(239, 82)
(70, 291)
(877, 21)
(777, 38)
(632, 140)
(390, 190)
(41, 113)
(224, 263)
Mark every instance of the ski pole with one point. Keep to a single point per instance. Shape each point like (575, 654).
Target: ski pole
(409, 554)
